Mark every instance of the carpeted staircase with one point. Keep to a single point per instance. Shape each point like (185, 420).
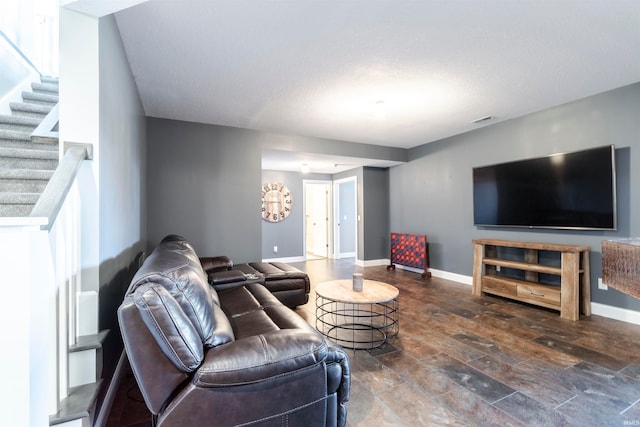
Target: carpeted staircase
(26, 163)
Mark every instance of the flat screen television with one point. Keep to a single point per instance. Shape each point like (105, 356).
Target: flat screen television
(566, 191)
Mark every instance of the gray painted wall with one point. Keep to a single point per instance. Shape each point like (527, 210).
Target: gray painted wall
(375, 214)
(373, 211)
(121, 190)
(122, 148)
(432, 194)
(204, 183)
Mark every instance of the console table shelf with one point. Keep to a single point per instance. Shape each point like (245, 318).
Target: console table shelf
(570, 298)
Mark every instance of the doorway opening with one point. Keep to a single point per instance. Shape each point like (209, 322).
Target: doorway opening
(346, 217)
(317, 198)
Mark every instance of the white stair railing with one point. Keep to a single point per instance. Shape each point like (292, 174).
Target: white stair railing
(43, 272)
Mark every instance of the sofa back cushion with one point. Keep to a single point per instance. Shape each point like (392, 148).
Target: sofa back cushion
(170, 327)
(175, 266)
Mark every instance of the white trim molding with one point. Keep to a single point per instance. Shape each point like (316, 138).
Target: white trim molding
(371, 262)
(455, 277)
(617, 313)
(287, 259)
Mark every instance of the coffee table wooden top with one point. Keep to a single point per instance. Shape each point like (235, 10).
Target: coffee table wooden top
(342, 291)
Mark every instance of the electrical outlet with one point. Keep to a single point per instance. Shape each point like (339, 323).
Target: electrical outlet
(602, 285)
(275, 249)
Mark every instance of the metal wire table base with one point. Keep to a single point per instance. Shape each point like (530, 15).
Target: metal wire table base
(359, 326)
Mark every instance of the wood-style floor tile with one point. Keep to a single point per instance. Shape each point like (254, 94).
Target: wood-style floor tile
(622, 384)
(545, 392)
(631, 371)
(531, 412)
(582, 410)
(473, 380)
(582, 353)
(415, 407)
(366, 409)
(474, 411)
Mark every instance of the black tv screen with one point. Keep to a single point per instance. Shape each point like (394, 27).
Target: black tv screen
(568, 190)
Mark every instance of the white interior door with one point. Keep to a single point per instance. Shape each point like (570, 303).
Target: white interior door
(317, 218)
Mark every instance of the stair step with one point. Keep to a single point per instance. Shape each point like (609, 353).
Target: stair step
(28, 154)
(16, 158)
(27, 124)
(29, 110)
(15, 135)
(90, 342)
(39, 144)
(79, 404)
(15, 210)
(24, 180)
(22, 185)
(39, 98)
(21, 163)
(25, 174)
(19, 198)
(49, 79)
(48, 88)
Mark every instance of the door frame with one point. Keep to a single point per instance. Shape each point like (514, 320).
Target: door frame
(336, 212)
(329, 199)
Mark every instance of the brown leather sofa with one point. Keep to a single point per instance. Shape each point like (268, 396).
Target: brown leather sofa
(236, 356)
(290, 285)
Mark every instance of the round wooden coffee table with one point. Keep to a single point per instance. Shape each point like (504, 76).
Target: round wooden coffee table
(359, 320)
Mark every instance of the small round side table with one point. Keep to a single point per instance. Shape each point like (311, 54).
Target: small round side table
(358, 320)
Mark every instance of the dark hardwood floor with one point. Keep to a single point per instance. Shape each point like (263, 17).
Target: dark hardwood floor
(473, 361)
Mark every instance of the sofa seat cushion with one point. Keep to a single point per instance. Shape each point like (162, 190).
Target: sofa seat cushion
(259, 357)
(290, 285)
(243, 299)
(253, 310)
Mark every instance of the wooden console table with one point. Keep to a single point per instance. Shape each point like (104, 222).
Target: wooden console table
(570, 298)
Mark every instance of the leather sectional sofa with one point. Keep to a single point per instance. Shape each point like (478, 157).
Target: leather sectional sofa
(290, 285)
(233, 356)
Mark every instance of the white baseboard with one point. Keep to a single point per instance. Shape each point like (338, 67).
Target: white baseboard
(617, 313)
(455, 277)
(346, 255)
(287, 259)
(110, 396)
(371, 262)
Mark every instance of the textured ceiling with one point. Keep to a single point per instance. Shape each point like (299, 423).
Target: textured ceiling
(317, 68)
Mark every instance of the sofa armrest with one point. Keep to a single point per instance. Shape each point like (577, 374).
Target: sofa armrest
(224, 277)
(256, 358)
(339, 380)
(216, 263)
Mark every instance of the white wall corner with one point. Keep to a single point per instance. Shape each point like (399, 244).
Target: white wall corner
(87, 313)
(82, 367)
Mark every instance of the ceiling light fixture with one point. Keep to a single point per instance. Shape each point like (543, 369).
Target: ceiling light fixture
(379, 109)
(305, 168)
(482, 119)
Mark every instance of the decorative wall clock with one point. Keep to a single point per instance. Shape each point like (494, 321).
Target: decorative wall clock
(276, 201)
